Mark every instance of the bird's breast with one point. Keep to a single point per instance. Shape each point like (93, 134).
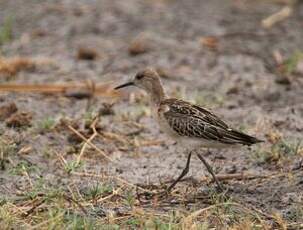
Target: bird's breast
(163, 123)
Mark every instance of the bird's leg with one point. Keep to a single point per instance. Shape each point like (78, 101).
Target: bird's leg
(210, 170)
(184, 172)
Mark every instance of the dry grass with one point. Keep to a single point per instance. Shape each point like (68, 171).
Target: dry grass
(110, 202)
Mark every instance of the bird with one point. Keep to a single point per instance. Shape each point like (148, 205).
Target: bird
(188, 124)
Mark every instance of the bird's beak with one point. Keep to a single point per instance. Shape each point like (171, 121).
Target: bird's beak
(124, 85)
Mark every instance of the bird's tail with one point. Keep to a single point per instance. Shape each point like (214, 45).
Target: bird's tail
(243, 138)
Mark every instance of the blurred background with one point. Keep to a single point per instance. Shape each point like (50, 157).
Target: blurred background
(60, 59)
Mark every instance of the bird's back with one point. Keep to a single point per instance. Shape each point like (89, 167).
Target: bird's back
(183, 119)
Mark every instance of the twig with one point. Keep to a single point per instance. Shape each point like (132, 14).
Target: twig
(237, 176)
(18, 208)
(114, 136)
(115, 192)
(90, 143)
(31, 210)
(74, 89)
(199, 212)
(93, 126)
(277, 17)
(151, 142)
(258, 211)
(62, 160)
(109, 177)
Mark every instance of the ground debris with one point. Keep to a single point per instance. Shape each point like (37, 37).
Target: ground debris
(210, 42)
(283, 80)
(138, 46)
(11, 66)
(106, 109)
(64, 122)
(77, 90)
(7, 110)
(284, 13)
(19, 119)
(85, 53)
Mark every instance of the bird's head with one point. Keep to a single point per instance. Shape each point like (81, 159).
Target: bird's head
(147, 80)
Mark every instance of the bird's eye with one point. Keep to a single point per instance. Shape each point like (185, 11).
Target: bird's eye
(140, 76)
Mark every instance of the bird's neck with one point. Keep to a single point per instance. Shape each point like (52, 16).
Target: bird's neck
(157, 94)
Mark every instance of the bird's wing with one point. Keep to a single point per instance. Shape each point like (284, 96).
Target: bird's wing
(193, 121)
(185, 108)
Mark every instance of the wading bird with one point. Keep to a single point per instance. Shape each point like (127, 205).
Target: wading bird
(191, 125)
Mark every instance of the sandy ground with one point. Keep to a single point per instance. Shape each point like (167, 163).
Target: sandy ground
(214, 53)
